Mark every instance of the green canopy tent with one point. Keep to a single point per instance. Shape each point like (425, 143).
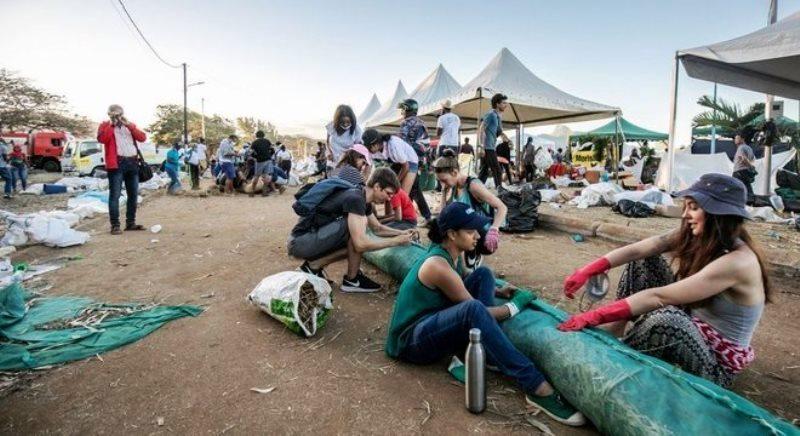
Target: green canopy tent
(630, 131)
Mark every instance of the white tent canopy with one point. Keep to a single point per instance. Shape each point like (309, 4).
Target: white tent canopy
(429, 94)
(390, 107)
(372, 107)
(532, 100)
(688, 168)
(767, 60)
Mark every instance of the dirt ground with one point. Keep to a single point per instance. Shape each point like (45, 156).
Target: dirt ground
(195, 374)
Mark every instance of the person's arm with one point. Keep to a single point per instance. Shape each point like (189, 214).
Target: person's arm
(105, 132)
(500, 209)
(439, 129)
(382, 230)
(640, 250)
(328, 148)
(398, 213)
(481, 131)
(436, 273)
(137, 134)
(357, 226)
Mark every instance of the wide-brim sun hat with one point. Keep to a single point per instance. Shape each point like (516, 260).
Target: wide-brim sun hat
(362, 150)
(719, 194)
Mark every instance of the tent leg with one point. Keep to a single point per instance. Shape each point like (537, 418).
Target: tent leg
(478, 136)
(517, 160)
(673, 111)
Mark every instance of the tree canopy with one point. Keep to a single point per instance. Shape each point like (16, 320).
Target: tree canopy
(24, 106)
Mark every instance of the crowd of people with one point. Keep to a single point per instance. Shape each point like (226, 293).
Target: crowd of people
(13, 167)
(701, 317)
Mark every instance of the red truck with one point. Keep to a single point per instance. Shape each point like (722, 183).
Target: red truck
(44, 148)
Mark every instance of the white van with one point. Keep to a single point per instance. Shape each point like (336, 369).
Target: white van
(86, 156)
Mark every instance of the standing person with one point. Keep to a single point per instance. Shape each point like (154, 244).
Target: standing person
(438, 304)
(336, 227)
(466, 148)
(5, 170)
(470, 191)
(19, 167)
(447, 127)
(412, 128)
(529, 159)
(196, 155)
(321, 160)
(702, 318)
(172, 166)
(343, 132)
(491, 127)
(744, 161)
(119, 136)
(226, 155)
(284, 159)
(263, 153)
(504, 159)
(397, 151)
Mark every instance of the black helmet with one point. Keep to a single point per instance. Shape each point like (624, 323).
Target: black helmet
(370, 137)
(409, 105)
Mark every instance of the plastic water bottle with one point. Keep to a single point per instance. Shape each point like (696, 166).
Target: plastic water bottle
(475, 373)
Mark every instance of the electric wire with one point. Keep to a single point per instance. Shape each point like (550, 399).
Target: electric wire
(145, 39)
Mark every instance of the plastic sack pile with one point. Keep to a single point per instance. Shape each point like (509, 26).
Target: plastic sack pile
(40, 332)
(622, 391)
(53, 229)
(300, 301)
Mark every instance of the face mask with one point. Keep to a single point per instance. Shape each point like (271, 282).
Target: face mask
(344, 126)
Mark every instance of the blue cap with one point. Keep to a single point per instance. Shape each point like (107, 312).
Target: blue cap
(458, 216)
(719, 194)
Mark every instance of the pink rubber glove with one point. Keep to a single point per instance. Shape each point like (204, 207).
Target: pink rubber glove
(579, 278)
(615, 311)
(492, 240)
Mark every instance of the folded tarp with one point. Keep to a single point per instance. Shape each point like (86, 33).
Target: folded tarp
(622, 391)
(25, 344)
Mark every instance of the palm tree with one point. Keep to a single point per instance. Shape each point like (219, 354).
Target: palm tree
(728, 117)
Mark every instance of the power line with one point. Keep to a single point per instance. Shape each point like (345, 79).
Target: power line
(145, 39)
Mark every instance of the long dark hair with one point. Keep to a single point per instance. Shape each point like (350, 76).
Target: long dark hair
(350, 157)
(720, 233)
(344, 111)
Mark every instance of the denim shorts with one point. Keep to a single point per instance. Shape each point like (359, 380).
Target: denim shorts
(413, 167)
(229, 170)
(263, 168)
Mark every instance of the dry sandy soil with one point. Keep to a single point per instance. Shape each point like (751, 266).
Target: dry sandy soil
(194, 375)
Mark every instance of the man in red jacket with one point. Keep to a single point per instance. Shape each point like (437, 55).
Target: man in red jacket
(119, 137)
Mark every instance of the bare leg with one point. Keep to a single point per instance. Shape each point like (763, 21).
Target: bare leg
(408, 182)
(322, 262)
(353, 260)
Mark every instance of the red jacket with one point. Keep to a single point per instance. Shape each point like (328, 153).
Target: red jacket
(105, 134)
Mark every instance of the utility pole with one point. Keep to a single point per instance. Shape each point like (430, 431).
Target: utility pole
(185, 113)
(203, 116)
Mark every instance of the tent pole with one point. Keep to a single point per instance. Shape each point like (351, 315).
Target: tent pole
(520, 135)
(772, 17)
(714, 124)
(673, 110)
(478, 136)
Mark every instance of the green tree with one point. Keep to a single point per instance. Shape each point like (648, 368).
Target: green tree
(24, 106)
(168, 126)
(248, 126)
(727, 116)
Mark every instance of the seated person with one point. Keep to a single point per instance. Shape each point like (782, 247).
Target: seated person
(337, 228)
(437, 305)
(703, 322)
(400, 214)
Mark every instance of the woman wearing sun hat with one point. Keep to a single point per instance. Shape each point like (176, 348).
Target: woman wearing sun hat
(703, 317)
(437, 306)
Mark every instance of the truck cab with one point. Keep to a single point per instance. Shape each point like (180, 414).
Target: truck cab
(43, 148)
(87, 156)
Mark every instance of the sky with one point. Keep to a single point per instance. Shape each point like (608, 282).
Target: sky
(292, 63)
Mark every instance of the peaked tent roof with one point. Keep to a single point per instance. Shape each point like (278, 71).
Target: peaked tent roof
(630, 130)
(429, 94)
(390, 107)
(767, 60)
(532, 100)
(372, 107)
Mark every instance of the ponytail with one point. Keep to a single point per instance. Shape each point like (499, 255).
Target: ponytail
(434, 233)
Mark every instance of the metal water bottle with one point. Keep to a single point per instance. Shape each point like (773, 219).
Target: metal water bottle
(475, 373)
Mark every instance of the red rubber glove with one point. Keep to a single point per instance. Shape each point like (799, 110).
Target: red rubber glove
(581, 276)
(615, 311)
(492, 240)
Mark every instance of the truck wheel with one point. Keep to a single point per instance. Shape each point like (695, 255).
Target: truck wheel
(51, 166)
(98, 170)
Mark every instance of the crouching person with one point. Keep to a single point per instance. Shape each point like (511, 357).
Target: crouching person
(334, 227)
(436, 307)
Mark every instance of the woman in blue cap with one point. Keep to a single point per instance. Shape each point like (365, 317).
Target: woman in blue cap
(703, 317)
(437, 306)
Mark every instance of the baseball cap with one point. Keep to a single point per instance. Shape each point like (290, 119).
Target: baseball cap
(460, 216)
(719, 194)
(447, 104)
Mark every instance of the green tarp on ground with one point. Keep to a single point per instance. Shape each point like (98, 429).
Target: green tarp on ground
(631, 131)
(25, 345)
(622, 391)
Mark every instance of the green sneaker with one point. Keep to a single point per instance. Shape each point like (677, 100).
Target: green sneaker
(556, 407)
